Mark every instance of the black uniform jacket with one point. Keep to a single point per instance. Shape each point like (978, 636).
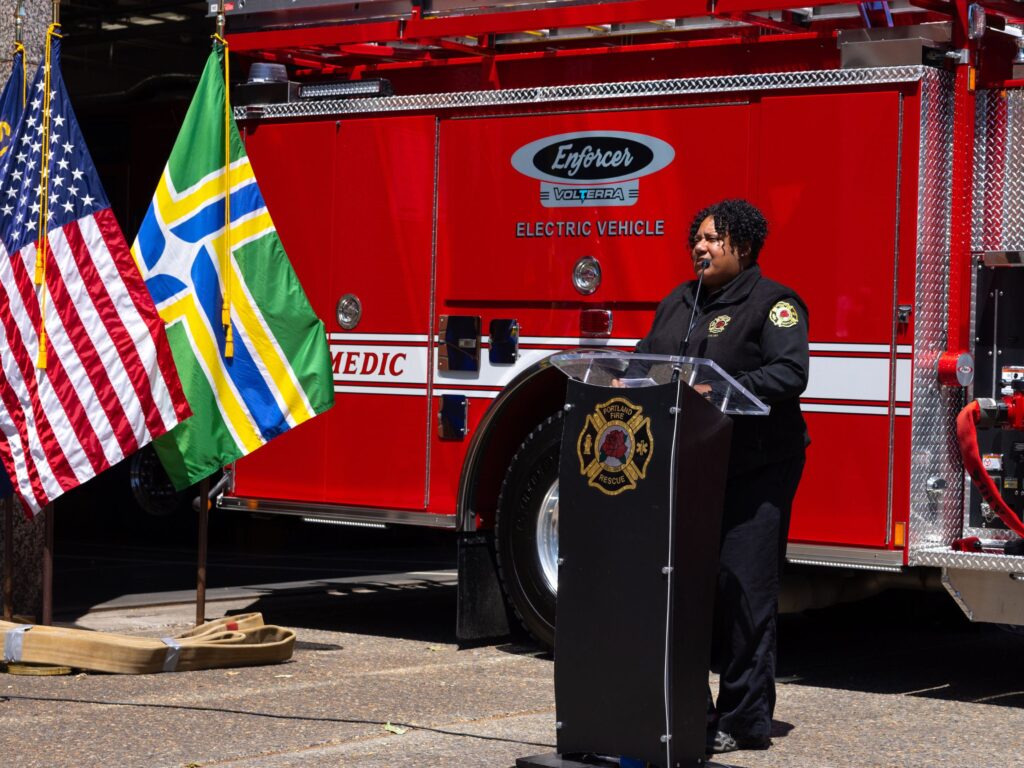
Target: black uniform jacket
(756, 330)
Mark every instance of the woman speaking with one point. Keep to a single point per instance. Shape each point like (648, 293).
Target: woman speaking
(756, 330)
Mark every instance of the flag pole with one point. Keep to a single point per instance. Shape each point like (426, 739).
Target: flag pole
(9, 558)
(48, 565)
(19, 35)
(204, 485)
(48, 510)
(204, 519)
(225, 261)
(44, 187)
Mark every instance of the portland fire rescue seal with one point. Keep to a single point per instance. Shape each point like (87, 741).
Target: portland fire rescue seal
(615, 446)
(784, 315)
(717, 325)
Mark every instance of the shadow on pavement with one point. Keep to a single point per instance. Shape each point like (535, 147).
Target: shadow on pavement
(903, 642)
(306, 576)
(418, 610)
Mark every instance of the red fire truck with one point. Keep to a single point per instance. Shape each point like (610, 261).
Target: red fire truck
(466, 189)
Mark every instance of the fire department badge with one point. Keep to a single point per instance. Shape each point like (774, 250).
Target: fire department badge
(717, 325)
(784, 315)
(615, 446)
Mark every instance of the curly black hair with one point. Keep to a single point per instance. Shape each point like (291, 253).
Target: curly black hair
(744, 224)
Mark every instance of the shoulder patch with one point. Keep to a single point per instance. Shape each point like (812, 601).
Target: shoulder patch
(784, 315)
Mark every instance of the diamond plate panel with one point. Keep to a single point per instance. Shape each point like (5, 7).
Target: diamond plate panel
(624, 90)
(935, 518)
(989, 534)
(998, 210)
(973, 561)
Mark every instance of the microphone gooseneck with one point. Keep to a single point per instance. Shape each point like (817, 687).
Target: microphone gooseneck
(701, 265)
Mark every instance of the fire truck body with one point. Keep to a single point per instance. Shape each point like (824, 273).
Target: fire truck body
(519, 198)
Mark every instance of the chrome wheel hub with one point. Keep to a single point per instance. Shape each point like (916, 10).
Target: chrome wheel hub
(547, 537)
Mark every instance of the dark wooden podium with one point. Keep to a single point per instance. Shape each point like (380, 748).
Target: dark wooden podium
(641, 484)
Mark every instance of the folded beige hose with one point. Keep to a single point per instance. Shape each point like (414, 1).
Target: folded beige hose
(234, 641)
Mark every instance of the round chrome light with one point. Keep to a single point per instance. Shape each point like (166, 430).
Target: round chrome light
(586, 275)
(350, 310)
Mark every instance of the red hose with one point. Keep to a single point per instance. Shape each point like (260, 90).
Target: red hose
(967, 435)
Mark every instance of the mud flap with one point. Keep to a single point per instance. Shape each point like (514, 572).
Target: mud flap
(482, 612)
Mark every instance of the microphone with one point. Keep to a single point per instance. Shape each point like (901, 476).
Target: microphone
(700, 266)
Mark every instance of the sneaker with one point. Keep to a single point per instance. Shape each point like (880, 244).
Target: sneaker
(726, 742)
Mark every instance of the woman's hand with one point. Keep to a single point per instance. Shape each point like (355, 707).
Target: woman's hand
(617, 383)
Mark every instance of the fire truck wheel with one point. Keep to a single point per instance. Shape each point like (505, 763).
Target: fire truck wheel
(152, 488)
(526, 531)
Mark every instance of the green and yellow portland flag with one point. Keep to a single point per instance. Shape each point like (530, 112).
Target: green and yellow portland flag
(251, 353)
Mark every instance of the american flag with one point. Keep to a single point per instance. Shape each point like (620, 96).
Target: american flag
(109, 385)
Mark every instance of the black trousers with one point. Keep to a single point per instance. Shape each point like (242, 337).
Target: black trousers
(755, 525)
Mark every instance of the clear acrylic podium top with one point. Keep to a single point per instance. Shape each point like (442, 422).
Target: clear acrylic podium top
(600, 367)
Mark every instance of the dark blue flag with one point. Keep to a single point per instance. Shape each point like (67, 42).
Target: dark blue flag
(12, 104)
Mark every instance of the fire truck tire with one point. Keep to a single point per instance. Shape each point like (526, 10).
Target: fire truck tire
(152, 489)
(526, 530)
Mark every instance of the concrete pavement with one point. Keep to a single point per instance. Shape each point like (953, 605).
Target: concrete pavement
(899, 692)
